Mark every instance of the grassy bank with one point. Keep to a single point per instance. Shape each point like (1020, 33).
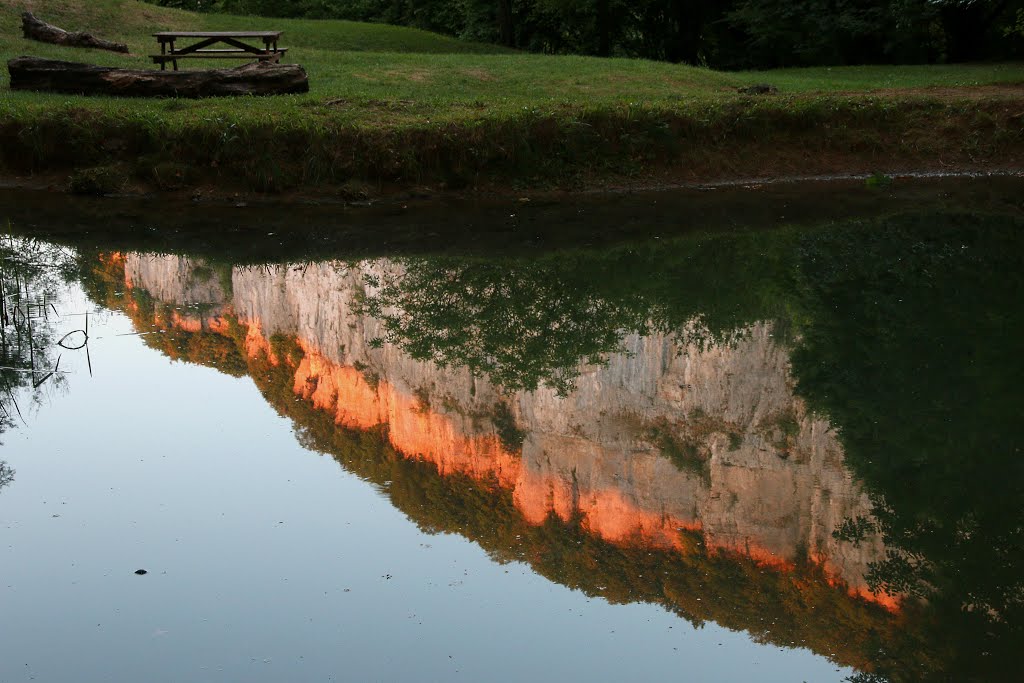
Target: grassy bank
(393, 108)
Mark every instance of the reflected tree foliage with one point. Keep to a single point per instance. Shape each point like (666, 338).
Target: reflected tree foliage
(31, 273)
(526, 322)
(6, 475)
(521, 323)
(913, 353)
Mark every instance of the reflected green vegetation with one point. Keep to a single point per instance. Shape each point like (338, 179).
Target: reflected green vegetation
(30, 347)
(6, 475)
(527, 322)
(903, 330)
(914, 355)
(518, 323)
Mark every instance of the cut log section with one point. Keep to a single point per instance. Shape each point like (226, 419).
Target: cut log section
(260, 78)
(36, 29)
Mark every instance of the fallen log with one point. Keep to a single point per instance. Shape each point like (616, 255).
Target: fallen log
(260, 78)
(36, 29)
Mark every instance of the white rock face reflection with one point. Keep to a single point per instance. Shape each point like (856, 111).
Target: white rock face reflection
(767, 478)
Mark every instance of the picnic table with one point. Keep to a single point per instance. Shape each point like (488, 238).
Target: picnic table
(241, 45)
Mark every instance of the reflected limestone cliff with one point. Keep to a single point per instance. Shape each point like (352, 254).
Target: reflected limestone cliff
(753, 430)
(660, 437)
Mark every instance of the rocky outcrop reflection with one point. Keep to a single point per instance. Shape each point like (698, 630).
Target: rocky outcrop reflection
(679, 471)
(663, 436)
(651, 436)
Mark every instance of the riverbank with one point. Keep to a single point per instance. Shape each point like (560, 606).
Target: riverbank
(447, 117)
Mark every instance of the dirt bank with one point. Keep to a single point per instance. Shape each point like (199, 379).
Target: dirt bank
(748, 139)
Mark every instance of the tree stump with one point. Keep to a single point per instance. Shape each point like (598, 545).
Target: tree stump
(260, 78)
(36, 29)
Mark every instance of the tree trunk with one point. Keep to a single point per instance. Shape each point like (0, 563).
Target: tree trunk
(687, 27)
(967, 27)
(35, 29)
(48, 75)
(506, 30)
(604, 29)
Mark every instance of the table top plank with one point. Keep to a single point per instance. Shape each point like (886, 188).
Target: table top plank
(218, 34)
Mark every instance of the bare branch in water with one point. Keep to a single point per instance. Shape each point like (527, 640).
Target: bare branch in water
(16, 407)
(74, 348)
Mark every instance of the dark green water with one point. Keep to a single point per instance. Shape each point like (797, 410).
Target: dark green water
(768, 434)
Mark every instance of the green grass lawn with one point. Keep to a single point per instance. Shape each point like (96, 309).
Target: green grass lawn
(415, 87)
(370, 63)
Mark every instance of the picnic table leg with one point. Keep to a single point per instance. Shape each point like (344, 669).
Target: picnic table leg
(163, 51)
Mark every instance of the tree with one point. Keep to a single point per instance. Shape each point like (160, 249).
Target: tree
(972, 26)
(726, 33)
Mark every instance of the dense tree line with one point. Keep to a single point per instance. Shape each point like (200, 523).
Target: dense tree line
(717, 33)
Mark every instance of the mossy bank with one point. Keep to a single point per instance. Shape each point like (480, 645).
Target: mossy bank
(395, 110)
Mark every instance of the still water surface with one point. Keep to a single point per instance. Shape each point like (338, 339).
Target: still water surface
(738, 449)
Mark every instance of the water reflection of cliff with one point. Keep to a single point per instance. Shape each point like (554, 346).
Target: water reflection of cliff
(693, 465)
(663, 437)
(676, 463)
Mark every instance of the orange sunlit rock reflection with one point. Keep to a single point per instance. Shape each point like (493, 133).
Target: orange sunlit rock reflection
(774, 505)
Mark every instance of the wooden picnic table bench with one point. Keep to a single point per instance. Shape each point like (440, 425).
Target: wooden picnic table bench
(236, 40)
